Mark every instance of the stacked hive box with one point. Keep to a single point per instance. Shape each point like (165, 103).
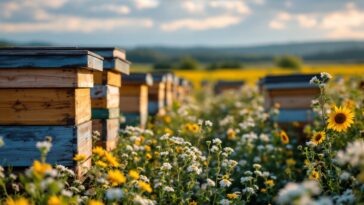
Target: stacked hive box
(293, 93)
(134, 98)
(156, 95)
(106, 95)
(182, 89)
(169, 90)
(46, 93)
(222, 86)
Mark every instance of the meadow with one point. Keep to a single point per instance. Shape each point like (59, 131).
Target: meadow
(224, 149)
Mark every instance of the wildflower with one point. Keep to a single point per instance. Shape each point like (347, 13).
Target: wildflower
(148, 156)
(99, 151)
(208, 123)
(318, 137)
(269, 182)
(167, 119)
(284, 137)
(115, 177)
(44, 146)
(257, 166)
(224, 202)
(145, 186)
(19, 201)
(166, 166)
(314, 80)
(114, 194)
(325, 76)
(217, 141)
(101, 164)
(214, 148)
(225, 183)
(290, 162)
(133, 174)
(168, 131)
(315, 175)
(168, 189)
(39, 168)
(111, 159)
(248, 190)
(233, 195)
(80, 157)
(192, 203)
(195, 128)
(54, 200)
(231, 134)
(340, 119)
(95, 202)
(353, 154)
(210, 183)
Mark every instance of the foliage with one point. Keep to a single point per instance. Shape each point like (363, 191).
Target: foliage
(188, 63)
(224, 149)
(289, 62)
(225, 65)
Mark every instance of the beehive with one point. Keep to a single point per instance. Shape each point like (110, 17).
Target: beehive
(46, 93)
(222, 86)
(157, 95)
(134, 98)
(105, 94)
(169, 90)
(293, 94)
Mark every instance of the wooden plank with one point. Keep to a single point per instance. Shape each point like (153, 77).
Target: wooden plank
(169, 95)
(105, 96)
(45, 78)
(63, 106)
(129, 104)
(50, 59)
(108, 78)
(105, 113)
(20, 149)
(138, 79)
(109, 130)
(118, 65)
(130, 90)
(291, 102)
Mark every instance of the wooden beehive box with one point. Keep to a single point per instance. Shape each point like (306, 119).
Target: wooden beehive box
(182, 90)
(157, 95)
(293, 94)
(169, 90)
(46, 93)
(134, 98)
(222, 86)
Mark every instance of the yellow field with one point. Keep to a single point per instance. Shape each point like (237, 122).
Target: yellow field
(251, 75)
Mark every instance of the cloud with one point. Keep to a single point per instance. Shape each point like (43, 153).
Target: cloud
(118, 9)
(232, 5)
(193, 6)
(342, 24)
(75, 24)
(146, 4)
(214, 22)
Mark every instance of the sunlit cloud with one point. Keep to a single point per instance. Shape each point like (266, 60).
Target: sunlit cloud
(118, 9)
(233, 5)
(214, 22)
(146, 4)
(76, 24)
(193, 6)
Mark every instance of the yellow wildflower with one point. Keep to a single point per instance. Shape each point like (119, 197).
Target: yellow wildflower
(80, 157)
(148, 156)
(111, 159)
(116, 177)
(340, 119)
(231, 134)
(147, 148)
(95, 202)
(145, 186)
(192, 203)
(20, 201)
(98, 151)
(290, 162)
(134, 174)
(54, 200)
(40, 168)
(232, 196)
(101, 163)
(315, 175)
(284, 137)
(318, 137)
(269, 182)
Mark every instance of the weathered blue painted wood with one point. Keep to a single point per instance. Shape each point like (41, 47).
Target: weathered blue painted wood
(291, 85)
(132, 119)
(295, 115)
(114, 58)
(20, 144)
(105, 113)
(138, 79)
(50, 59)
(153, 107)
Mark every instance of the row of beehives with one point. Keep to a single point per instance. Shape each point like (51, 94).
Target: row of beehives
(292, 94)
(67, 93)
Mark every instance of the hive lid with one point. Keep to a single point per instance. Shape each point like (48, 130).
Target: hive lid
(138, 79)
(18, 58)
(114, 58)
(288, 81)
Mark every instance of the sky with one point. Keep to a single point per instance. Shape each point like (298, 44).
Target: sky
(184, 23)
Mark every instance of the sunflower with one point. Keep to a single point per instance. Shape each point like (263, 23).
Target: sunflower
(315, 175)
(284, 137)
(318, 137)
(340, 119)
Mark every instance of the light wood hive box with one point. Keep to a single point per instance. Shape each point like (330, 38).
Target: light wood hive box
(223, 86)
(45, 92)
(293, 94)
(134, 98)
(157, 95)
